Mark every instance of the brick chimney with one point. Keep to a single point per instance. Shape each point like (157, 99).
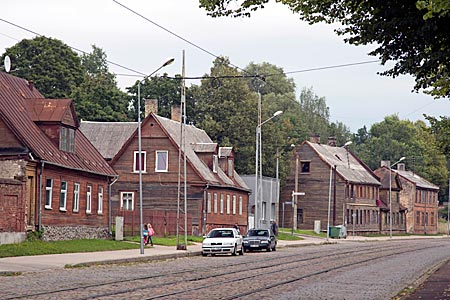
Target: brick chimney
(151, 106)
(315, 138)
(30, 84)
(332, 141)
(176, 113)
(401, 167)
(385, 163)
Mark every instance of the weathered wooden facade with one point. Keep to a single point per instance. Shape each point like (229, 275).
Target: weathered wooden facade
(420, 197)
(51, 176)
(391, 201)
(216, 195)
(330, 174)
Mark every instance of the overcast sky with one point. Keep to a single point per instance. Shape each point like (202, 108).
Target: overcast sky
(356, 95)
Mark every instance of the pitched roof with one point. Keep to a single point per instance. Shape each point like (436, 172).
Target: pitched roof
(108, 137)
(416, 179)
(14, 94)
(348, 165)
(52, 110)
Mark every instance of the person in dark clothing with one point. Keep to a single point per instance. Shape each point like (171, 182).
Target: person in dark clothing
(274, 227)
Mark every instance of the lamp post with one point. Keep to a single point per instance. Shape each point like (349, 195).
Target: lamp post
(141, 219)
(258, 159)
(390, 195)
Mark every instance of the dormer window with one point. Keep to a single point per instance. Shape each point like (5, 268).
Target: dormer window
(215, 163)
(67, 139)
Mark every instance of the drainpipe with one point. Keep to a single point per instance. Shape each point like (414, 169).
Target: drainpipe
(116, 177)
(205, 197)
(40, 197)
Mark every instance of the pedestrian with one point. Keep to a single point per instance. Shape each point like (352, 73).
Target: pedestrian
(145, 234)
(236, 226)
(151, 232)
(274, 227)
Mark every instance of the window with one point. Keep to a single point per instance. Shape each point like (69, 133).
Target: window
(162, 161)
(88, 198)
(100, 200)
(76, 197)
(305, 166)
(230, 168)
(67, 139)
(228, 205)
(215, 203)
(215, 163)
(221, 203)
(48, 193)
(209, 204)
(143, 161)
(63, 196)
(127, 200)
(234, 204)
(418, 218)
(240, 205)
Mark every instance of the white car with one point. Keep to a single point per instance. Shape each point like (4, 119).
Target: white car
(223, 241)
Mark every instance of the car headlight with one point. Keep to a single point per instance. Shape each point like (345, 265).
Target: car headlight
(245, 242)
(206, 244)
(228, 244)
(264, 242)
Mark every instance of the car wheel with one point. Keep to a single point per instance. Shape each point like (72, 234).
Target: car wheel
(234, 253)
(204, 254)
(242, 251)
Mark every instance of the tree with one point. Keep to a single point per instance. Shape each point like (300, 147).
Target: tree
(393, 138)
(52, 66)
(98, 98)
(417, 45)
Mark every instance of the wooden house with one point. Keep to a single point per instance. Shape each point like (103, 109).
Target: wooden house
(420, 197)
(51, 176)
(390, 200)
(330, 177)
(216, 195)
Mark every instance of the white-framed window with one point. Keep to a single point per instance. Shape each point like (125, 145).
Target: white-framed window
(76, 197)
(88, 198)
(208, 209)
(240, 205)
(143, 161)
(215, 163)
(228, 205)
(48, 193)
(100, 200)
(221, 203)
(234, 204)
(63, 196)
(162, 161)
(215, 203)
(127, 200)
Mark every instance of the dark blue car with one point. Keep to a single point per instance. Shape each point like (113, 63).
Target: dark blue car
(260, 239)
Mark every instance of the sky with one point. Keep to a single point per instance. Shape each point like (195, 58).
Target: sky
(355, 95)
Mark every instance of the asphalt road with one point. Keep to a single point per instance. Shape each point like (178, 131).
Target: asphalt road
(372, 270)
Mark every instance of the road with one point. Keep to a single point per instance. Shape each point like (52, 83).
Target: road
(372, 270)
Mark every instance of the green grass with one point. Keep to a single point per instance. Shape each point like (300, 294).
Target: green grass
(168, 241)
(288, 237)
(38, 247)
(304, 232)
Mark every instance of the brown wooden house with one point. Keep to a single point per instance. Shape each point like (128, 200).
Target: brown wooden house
(216, 195)
(391, 202)
(51, 176)
(420, 197)
(330, 174)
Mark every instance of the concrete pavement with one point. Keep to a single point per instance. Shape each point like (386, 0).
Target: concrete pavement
(40, 263)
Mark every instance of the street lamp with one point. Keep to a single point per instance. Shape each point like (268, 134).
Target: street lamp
(258, 154)
(390, 195)
(141, 219)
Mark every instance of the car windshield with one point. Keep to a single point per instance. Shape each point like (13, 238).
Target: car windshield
(258, 233)
(221, 233)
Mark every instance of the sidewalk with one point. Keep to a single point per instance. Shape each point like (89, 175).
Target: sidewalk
(58, 261)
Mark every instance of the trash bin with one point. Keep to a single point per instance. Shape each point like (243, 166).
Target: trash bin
(342, 231)
(334, 232)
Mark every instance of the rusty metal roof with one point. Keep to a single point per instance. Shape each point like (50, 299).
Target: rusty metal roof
(14, 93)
(52, 110)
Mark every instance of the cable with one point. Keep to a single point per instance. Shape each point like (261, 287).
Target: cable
(73, 48)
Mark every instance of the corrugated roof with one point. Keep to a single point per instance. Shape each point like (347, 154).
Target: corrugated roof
(419, 181)
(108, 137)
(14, 93)
(348, 166)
